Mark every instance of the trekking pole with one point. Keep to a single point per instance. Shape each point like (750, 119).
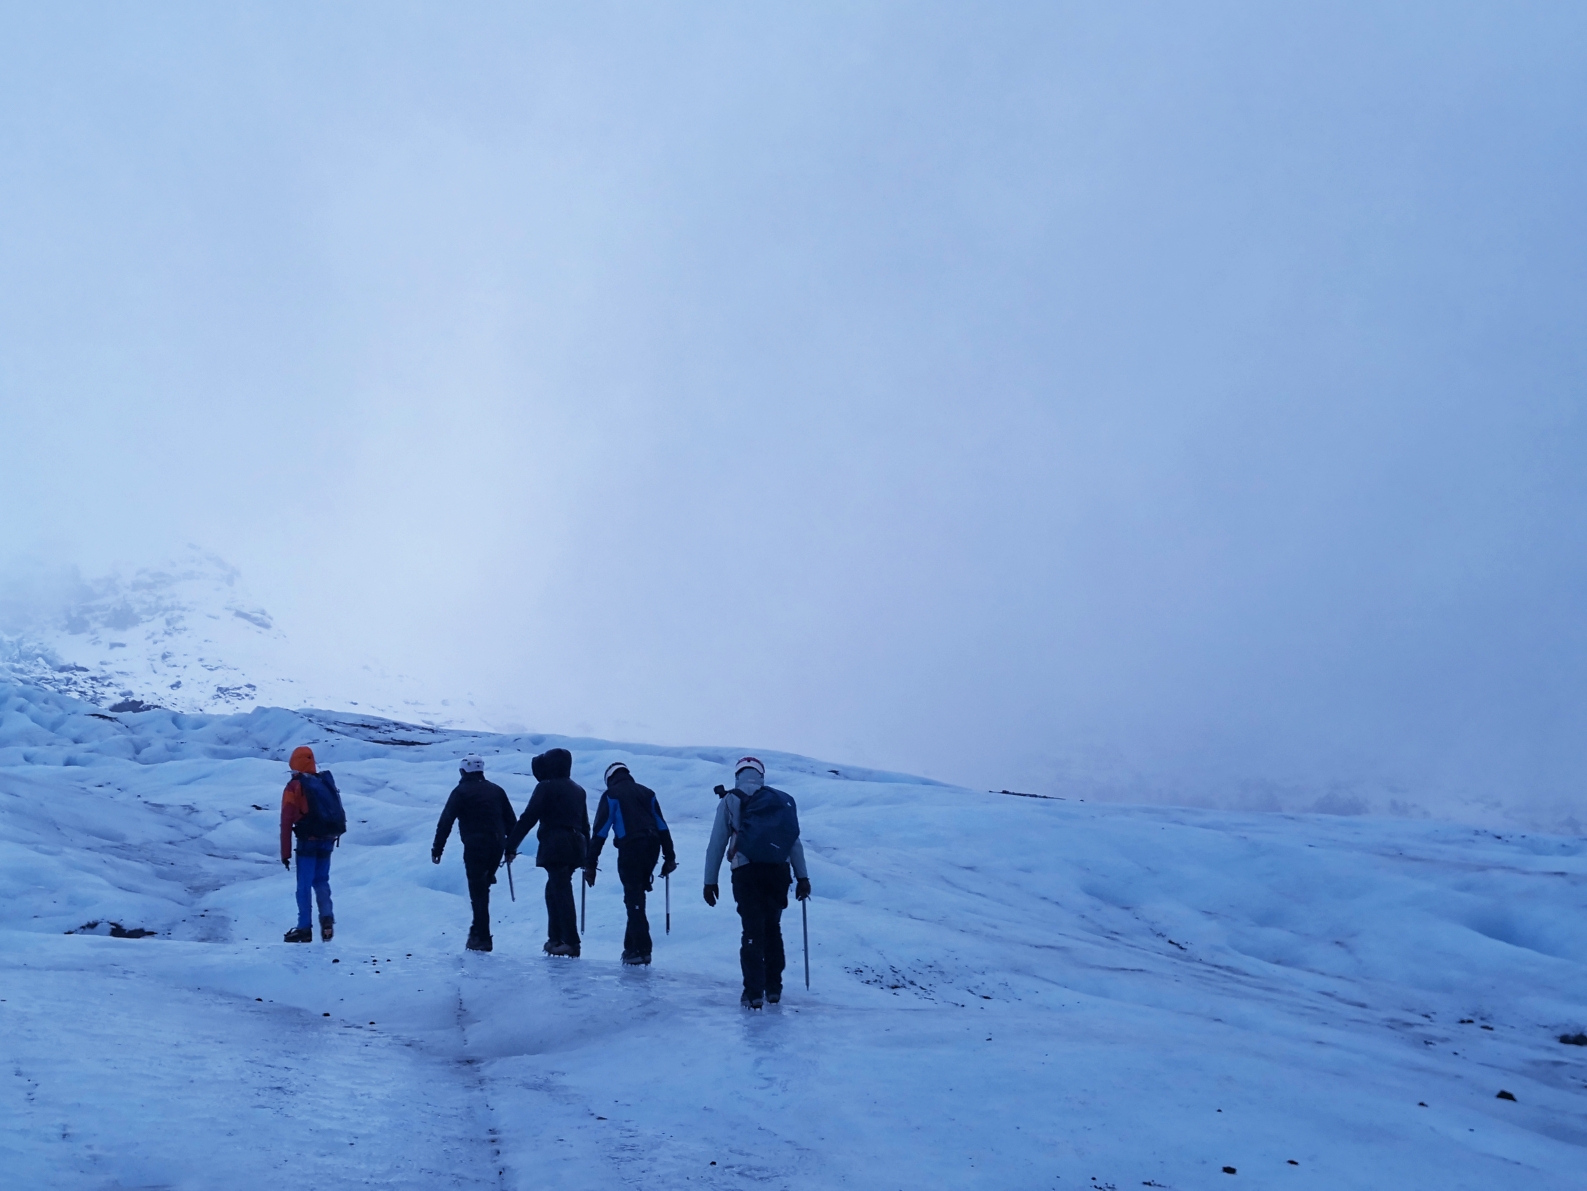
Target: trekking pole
(582, 919)
(804, 913)
(510, 889)
(668, 879)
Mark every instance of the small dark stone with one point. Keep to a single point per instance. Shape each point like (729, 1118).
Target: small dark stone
(1504, 1096)
(1229, 1170)
(1292, 1162)
(1574, 1039)
(1421, 1104)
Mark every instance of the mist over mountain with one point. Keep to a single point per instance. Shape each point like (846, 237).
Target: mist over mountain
(189, 636)
(186, 635)
(1154, 403)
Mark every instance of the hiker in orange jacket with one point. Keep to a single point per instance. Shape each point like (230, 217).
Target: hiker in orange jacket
(311, 809)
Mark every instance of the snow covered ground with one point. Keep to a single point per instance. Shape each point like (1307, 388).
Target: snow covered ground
(1006, 992)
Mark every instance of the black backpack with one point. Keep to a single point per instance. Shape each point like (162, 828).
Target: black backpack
(326, 818)
(768, 826)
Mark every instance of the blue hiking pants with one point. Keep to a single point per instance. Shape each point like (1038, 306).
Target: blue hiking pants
(314, 874)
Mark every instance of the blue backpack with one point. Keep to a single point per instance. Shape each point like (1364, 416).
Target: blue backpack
(326, 818)
(768, 826)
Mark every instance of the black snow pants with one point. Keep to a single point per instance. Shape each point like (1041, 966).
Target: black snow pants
(761, 892)
(562, 919)
(636, 861)
(480, 863)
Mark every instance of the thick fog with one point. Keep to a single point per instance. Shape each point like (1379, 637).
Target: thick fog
(1152, 401)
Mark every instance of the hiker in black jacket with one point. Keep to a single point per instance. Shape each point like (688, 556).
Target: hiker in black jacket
(558, 805)
(483, 817)
(633, 816)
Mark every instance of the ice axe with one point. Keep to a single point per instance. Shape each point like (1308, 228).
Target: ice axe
(582, 919)
(668, 880)
(804, 914)
(510, 889)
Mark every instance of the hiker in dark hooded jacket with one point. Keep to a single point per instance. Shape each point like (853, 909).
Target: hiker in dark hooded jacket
(633, 816)
(483, 816)
(558, 806)
(760, 888)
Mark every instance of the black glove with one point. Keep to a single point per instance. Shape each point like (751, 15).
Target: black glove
(435, 858)
(669, 866)
(510, 857)
(589, 875)
(802, 889)
(286, 864)
(710, 895)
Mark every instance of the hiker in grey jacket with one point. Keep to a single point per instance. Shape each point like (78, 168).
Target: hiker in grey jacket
(760, 888)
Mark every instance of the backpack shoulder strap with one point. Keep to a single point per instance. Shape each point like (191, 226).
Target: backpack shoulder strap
(733, 809)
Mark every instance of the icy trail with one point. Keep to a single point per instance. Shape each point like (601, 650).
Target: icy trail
(1009, 992)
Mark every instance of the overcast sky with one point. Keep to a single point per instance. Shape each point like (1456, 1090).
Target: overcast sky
(1171, 400)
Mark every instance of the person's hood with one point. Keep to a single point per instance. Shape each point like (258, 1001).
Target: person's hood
(552, 764)
(748, 781)
(303, 760)
(619, 777)
(467, 776)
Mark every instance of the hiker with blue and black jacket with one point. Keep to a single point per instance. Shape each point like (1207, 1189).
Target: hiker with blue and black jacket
(633, 816)
(311, 810)
(757, 828)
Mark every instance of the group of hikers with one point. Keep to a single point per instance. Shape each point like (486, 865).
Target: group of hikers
(756, 828)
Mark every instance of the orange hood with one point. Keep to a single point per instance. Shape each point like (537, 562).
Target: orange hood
(302, 759)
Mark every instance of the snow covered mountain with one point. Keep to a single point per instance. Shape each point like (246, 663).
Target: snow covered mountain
(185, 636)
(1006, 992)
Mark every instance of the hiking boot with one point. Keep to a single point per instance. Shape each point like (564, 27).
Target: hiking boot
(299, 934)
(773, 995)
(636, 958)
(552, 948)
(751, 1002)
(478, 943)
(561, 950)
(327, 929)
